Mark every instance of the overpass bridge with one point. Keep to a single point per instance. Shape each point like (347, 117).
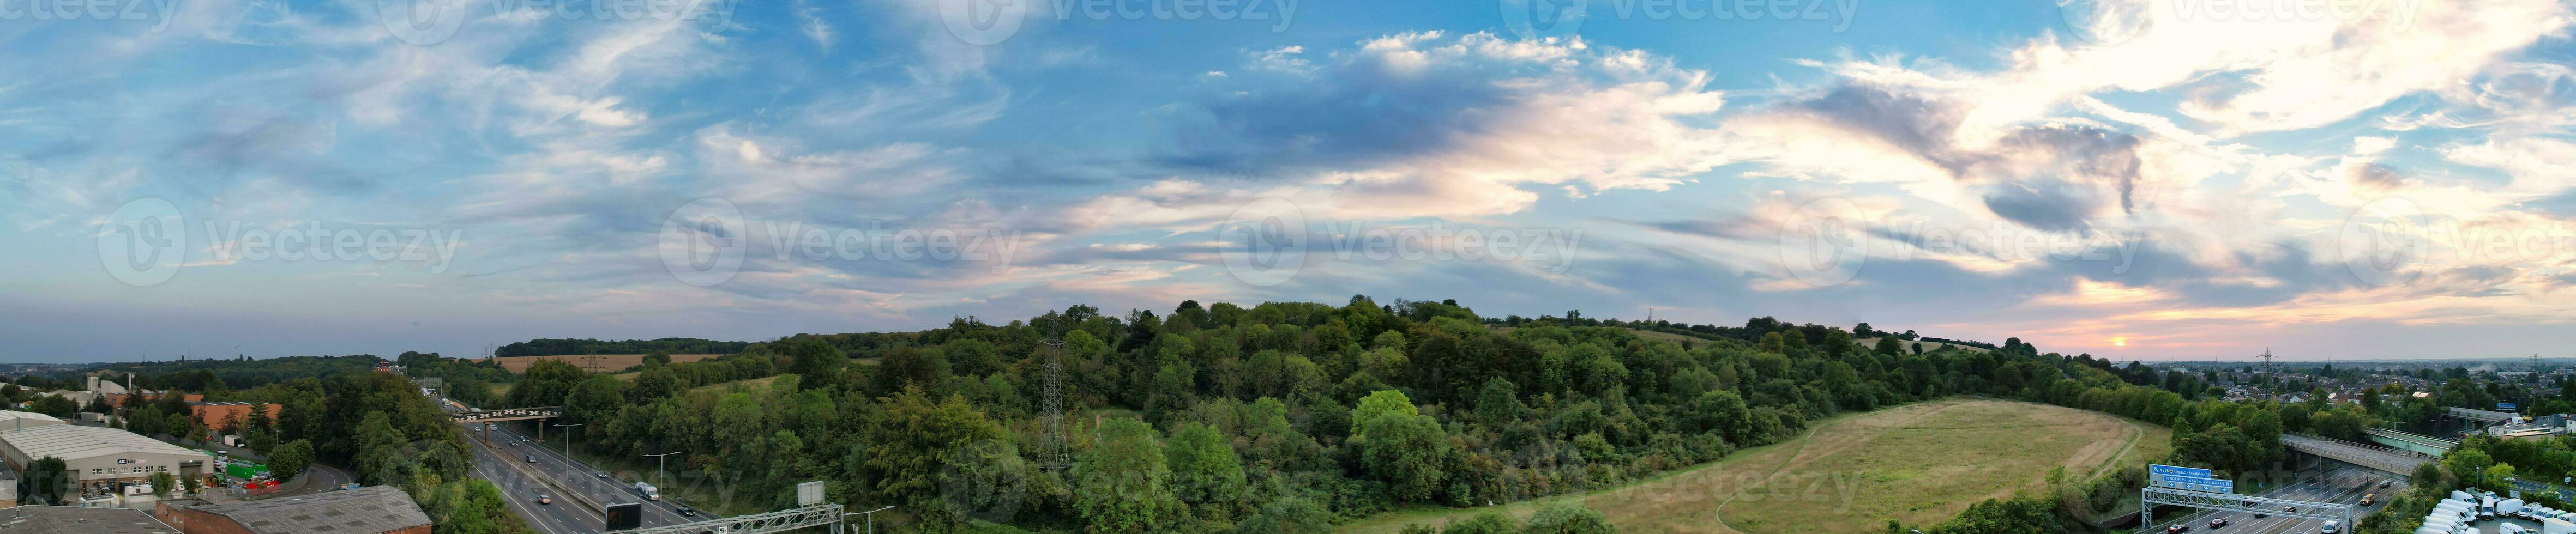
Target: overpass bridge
(2410, 442)
(2398, 463)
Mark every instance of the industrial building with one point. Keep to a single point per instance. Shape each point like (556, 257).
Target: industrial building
(13, 421)
(80, 520)
(101, 461)
(368, 510)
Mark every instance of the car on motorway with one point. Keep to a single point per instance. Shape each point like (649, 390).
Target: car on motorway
(600, 474)
(2290, 509)
(2217, 522)
(2383, 483)
(2366, 499)
(2177, 528)
(532, 458)
(686, 510)
(545, 499)
(2332, 527)
(514, 443)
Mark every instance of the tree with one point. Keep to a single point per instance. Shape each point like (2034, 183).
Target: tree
(987, 481)
(912, 438)
(289, 460)
(1288, 515)
(1205, 469)
(545, 383)
(45, 482)
(816, 363)
(1569, 518)
(2427, 480)
(1401, 446)
(594, 399)
(192, 484)
(382, 457)
(162, 483)
(55, 406)
(1122, 483)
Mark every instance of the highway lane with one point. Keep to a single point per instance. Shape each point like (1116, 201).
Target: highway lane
(584, 477)
(520, 492)
(2338, 486)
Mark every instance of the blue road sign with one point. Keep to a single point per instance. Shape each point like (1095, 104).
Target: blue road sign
(2504, 406)
(2211, 485)
(2162, 469)
(2188, 478)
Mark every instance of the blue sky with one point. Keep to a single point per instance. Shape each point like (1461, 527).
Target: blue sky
(2150, 179)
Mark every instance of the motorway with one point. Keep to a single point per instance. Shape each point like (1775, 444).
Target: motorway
(585, 478)
(508, 467)
(520, 491)
(2345, 485)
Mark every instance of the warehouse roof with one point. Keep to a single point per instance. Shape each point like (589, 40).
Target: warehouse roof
(367, 510)
(80, 520)
(73, 441)
(11, 419)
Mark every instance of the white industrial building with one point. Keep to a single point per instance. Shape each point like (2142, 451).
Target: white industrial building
(102, 461)
(13, 421)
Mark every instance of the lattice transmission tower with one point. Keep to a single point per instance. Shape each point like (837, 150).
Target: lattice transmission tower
(1052, 449)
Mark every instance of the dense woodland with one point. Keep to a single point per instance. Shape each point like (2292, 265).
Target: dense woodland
(1281, 417)
(1295, 416)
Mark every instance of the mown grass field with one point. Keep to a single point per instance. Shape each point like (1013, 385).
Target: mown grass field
(1920, 464)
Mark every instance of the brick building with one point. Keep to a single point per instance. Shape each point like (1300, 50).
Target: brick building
(215, 415)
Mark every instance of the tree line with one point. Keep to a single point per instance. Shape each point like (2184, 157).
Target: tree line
(570, 347)
(1291, 417)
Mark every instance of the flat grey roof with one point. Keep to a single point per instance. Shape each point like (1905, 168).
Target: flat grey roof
(367, 510)
(79, 520)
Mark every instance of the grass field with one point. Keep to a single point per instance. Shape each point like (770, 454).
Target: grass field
(606, 362)
(1908, 346)
(1920, 464)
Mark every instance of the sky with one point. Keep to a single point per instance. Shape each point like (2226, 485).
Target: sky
(2133, 179)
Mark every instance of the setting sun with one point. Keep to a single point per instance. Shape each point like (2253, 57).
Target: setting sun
(2120, 341)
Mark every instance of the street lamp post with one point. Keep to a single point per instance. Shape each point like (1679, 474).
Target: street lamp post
(568, 437)
(658, 475)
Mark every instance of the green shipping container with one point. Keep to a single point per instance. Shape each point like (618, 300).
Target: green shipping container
(245, 470)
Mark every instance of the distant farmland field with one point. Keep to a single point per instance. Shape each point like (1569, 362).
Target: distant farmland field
(1920, 464)
(605, 362)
